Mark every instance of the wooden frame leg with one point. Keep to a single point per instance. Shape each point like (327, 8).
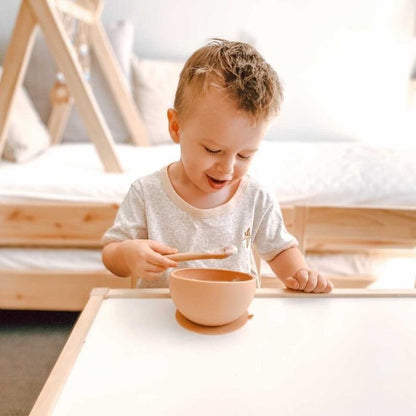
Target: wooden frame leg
(113, 74)
(62, 102)
(15, 65)
(65, 57)
(118, 85)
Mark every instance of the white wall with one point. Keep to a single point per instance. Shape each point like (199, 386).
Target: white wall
(344, 64)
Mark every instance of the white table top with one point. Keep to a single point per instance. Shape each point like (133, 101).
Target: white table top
(298, 356)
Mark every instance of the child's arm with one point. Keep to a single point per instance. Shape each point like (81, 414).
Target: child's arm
(137, 258)
(291, 268)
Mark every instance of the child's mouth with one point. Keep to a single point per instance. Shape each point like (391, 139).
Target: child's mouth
(216, 183)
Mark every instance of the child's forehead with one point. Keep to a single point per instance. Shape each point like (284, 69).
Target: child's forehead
(220, 123)
(203, 94)
(212, 99)
(198, 102)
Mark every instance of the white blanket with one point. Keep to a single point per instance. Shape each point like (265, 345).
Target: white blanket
(343, 173)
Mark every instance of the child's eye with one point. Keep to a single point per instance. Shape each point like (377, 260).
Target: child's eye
(211, 151)
(243, 157)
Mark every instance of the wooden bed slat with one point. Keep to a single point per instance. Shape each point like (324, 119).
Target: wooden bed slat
(328, 229)
(319, 227)
(53, 289)
(52, 224)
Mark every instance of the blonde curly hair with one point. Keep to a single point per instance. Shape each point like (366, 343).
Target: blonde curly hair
(236, 68)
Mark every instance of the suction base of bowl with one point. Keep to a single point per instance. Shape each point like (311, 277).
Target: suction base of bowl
(212, 330)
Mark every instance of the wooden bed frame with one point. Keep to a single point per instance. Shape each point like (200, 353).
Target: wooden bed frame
(81, 225)
(62, 225)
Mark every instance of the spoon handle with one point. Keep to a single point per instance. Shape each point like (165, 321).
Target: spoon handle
(196, 256)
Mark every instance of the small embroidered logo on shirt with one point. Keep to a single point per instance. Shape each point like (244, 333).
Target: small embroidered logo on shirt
(247, 237)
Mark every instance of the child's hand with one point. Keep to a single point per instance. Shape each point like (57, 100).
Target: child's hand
(308, 281)
(144, 258)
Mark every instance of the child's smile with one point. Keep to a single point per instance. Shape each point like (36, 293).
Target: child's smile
(217, 183)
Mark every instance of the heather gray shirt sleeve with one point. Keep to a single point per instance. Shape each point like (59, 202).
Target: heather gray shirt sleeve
(130, 221)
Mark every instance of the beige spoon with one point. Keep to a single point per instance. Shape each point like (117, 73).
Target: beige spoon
(218, 253)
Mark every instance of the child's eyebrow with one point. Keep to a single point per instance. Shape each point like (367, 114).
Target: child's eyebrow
(251, 150)
(219, 145)
(210, 142)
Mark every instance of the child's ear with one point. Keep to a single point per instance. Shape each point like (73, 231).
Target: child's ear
(173, 124)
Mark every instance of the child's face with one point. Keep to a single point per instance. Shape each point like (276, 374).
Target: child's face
(217, 142)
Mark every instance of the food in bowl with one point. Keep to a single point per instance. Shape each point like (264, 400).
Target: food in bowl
(211, 297)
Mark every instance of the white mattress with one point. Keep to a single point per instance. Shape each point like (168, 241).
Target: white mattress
(338, 173)
(315, 172)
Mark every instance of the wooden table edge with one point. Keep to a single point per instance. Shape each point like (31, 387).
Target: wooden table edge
(273, 292)
(50, 392)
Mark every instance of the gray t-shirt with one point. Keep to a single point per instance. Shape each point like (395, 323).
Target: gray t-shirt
(153, 210)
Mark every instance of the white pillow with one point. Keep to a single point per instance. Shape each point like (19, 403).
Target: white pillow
(154, 87)
(41, 76)
(27, 135)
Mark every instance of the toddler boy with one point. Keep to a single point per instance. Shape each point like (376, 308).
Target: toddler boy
(226, 97)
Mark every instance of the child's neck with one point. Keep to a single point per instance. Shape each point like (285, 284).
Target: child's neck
(194, 196)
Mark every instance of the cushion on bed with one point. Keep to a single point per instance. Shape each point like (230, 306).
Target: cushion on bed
(154, 86)
(27, 135)
(41, 76)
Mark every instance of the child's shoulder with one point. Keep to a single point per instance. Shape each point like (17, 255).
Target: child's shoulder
(254, 185)
(259, 191)
(150, 179)
(146, 184)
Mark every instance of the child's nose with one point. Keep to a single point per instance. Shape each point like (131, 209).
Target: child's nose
(226, 165)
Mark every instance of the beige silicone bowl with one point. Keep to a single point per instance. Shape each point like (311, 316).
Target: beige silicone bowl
(211, 297)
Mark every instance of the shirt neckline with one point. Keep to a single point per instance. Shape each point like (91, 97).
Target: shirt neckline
(199, 212)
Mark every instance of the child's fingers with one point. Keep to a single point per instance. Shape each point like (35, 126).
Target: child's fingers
(160, 261)
(291, 283)
(161, 248)
(298, 281)
(155, 268)
(156, 256)
(150, 271)
(329, 287)
(309, 281)
(321, 284)
(313, 278)
(302, 277)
